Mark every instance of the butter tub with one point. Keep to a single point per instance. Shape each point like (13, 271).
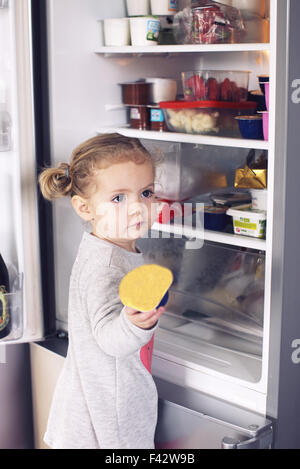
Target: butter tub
(248, 221)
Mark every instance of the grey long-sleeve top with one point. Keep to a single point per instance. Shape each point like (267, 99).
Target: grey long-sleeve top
(105, 397)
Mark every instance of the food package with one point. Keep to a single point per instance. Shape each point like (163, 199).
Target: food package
(207, 22)
(231, 199)
(144, 287)
(215, 85)
(254, 175)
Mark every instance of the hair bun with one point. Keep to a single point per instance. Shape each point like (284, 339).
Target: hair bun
(56, 182)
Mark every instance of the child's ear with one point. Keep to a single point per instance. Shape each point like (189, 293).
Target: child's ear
(82, 208)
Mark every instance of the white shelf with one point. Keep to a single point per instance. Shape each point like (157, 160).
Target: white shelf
(214, 236)
(178, 49)
(187, 138)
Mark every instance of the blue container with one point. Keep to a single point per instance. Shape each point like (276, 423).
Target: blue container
(251, 127)
(215, 218)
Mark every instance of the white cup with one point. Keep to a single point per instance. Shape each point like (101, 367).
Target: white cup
(259, 199)
(164, 7)
(138, 7)
(144, 31)
(117, 32)
(163, 89)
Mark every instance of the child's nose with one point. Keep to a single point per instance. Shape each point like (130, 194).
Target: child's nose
(135, 208)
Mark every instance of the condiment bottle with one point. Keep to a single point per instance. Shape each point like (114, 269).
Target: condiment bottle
(5, 320)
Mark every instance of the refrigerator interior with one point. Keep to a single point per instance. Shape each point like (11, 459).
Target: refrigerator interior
(216, 320)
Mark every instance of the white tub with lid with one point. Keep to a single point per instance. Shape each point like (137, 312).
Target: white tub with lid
(144, 31)
(117, 32)
(138, 7)
(164, 7)
(163, 89)
(248, 221)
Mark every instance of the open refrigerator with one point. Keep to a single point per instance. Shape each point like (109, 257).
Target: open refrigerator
(223, 352)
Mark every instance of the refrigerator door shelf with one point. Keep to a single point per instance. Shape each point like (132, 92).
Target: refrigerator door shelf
(12, 311)
(20, 219)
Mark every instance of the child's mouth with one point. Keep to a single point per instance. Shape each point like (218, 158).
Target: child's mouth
(137, 226)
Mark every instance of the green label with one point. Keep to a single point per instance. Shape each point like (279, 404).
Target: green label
(153, 30)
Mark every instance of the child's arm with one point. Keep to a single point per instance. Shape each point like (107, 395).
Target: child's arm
(113, 325)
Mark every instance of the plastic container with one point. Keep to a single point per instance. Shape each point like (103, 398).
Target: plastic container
(215, 85)
(205, 29)
(157, 119)
(250, 8)
(164, 7)
(117, 32)
(144, 31)
(136, 93)
(163, 89)
(248, 222)
(205, 117)
(259, 199)
(251, 127)
(257, 30)
(138, 7)
(172, 209)
(215, 23)
(140, 117)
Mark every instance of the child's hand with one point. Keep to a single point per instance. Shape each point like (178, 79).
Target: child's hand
(144, 320)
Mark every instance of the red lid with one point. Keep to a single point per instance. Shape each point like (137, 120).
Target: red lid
(207, 104)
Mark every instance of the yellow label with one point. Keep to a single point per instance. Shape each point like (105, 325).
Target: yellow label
(4, 316)
(248, 226)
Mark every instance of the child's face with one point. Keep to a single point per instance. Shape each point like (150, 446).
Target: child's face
(124, 207)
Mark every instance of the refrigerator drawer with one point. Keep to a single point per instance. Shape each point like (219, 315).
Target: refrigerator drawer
(188, 419)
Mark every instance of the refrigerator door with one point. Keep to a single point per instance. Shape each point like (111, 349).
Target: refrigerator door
(19, 230)
(188, 419)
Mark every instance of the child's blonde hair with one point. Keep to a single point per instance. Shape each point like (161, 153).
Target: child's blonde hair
(96, 153)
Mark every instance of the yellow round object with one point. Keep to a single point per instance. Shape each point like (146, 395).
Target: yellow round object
(143, 288)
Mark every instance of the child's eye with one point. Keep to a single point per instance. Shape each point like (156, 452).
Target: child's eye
(117, 198)
(149, 194)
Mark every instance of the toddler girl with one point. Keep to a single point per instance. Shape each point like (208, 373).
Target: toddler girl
(105, 396)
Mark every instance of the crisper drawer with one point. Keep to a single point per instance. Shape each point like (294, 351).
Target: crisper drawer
(188, 419)
(215, 313)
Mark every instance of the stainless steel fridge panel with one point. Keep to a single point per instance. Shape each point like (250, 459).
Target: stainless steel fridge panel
(188, 419)
(284, 375)
(16, 426)
(29, 246)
